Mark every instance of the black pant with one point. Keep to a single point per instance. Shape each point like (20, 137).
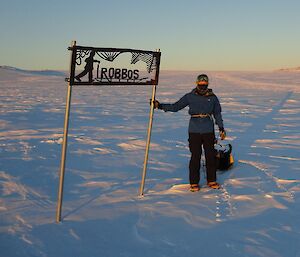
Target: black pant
(196, 140)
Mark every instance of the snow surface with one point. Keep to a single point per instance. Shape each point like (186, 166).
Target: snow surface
(256, 213)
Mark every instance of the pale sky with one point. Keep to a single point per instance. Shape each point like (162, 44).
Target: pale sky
(191, 34)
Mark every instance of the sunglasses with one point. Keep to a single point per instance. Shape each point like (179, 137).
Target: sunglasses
(202, 82)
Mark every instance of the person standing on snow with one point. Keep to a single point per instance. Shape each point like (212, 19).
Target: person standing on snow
(204, 106)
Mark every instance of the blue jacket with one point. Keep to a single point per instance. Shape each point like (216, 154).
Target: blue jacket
(199, 104)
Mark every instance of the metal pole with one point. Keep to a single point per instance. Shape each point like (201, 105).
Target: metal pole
(141, 193)
(65, 136)
(148, 141)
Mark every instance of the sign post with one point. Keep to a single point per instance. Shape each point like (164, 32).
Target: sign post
(65, 135)
(141, 193)
(141, 69)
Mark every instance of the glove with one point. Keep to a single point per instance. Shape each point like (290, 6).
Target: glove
(222, 133)
(156, 104)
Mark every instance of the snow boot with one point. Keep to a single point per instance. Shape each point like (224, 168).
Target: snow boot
(194, 188)
(214, 185)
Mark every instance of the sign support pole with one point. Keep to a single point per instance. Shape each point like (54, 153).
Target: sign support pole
(65, 135)
(148, 141)
(141, 193)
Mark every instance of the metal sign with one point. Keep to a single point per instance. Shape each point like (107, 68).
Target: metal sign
(115, 66)
(108, 66)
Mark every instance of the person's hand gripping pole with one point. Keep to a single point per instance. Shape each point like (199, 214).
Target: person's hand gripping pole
(156, 104)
